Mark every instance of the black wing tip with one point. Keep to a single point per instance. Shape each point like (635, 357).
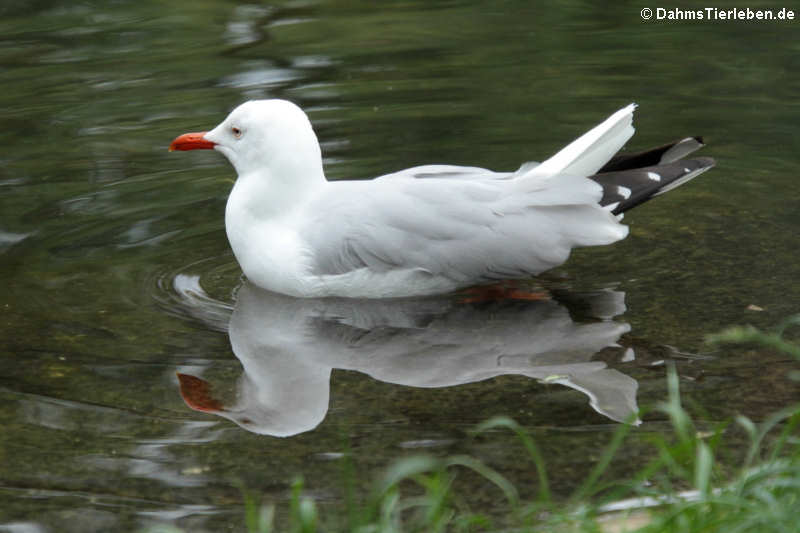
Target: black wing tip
(666, 153)
(705, 162)
(626, 189)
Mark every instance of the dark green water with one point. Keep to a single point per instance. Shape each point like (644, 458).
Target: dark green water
(103, 234)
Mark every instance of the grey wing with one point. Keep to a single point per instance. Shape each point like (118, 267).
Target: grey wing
(487, 226)
(456, 172)
(447, 172)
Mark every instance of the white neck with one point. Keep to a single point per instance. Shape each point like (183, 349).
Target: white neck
(264, 195)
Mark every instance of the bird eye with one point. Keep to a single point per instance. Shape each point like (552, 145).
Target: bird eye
(236, 132)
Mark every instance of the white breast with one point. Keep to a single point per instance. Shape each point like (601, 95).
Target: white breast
(268, 250)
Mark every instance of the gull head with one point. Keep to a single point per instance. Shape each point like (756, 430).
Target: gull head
(271, 137)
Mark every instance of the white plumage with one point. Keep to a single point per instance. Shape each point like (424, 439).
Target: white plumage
(427, 229)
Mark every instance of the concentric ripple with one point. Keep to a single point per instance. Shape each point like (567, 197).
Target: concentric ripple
(181, 292)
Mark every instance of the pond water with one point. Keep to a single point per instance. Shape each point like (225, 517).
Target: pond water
(143, 382)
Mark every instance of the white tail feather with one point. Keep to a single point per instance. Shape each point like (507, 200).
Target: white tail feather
(588, 153)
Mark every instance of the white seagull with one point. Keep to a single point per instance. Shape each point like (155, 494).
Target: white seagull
(428, 229)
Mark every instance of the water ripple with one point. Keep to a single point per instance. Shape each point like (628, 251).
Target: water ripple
(180, 292)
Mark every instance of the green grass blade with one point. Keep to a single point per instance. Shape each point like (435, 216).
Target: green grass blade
(588, 487)
(702, 469)
(530, 446)
(490, 474)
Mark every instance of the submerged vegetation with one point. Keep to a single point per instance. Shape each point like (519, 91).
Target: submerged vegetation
(684, 487)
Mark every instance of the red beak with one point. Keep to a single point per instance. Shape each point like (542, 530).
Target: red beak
(191, 141)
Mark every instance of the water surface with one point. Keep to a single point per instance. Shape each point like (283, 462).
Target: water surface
(118, 277)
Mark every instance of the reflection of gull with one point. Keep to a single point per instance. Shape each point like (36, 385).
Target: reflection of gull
(289, 346)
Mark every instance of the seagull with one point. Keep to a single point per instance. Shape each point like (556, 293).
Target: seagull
(429, 229)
